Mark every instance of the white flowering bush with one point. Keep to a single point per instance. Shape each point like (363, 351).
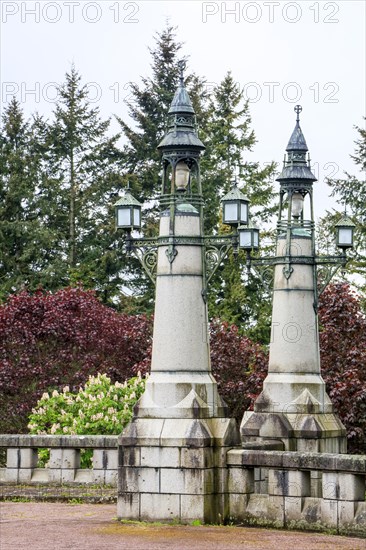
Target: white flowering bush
(99, 408)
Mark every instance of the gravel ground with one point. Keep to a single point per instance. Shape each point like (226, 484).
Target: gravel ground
(61, 526)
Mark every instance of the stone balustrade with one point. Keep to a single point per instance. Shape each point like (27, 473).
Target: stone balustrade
(288, 501)
(64, 462)
(284, 499)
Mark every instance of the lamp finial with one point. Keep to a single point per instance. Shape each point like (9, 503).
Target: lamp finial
(181, 65)
(298, 110)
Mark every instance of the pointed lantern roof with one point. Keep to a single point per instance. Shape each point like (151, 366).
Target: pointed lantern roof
(297, 141)
(181, 101)
(295, 166)
(181, 121)
(234, 194)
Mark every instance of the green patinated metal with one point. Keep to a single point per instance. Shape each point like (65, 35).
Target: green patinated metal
(128, 200)
(296, 179)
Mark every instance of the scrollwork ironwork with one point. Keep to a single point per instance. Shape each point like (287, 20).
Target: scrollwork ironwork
(266, 275)
(148, 258)
(213, 258)
(151, 260)
(325, 274)
(216, 248)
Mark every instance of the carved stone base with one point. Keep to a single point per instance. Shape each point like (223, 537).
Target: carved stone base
(181, 395)
(293, 393)
(307, 432)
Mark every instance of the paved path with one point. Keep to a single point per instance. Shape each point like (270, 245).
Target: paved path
(60, 526)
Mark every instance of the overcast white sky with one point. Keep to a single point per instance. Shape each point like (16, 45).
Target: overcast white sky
(281, 53)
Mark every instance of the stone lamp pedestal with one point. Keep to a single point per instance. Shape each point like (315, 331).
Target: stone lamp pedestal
(173, 453)
(294, 406)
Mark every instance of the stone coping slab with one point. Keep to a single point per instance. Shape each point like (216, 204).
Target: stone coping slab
(297, 460)
(63, 441)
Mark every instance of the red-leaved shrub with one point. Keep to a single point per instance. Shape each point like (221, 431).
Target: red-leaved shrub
(343, 359)
(238, 365)
(51, 340)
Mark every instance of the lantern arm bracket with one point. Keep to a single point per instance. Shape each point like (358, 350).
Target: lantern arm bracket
(337, 260)
(278, 260)
(146, 251)
(263, 266)
(330, 265)
(263, 269)
(216, 250)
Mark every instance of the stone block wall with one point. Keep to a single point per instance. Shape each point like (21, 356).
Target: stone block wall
(181, 475)
(288, 501)
(204, 479)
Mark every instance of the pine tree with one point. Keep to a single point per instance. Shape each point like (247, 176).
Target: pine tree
(229, 137)
(148, 110)
(351, 192)
(234, 297)
(20, 233)
(76, 198)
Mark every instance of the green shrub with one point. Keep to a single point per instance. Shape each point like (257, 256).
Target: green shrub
(99, 408)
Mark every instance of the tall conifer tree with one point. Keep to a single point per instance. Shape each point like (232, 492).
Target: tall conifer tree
(234, 297)
(351, 193)
(82, 166)
(20, 232)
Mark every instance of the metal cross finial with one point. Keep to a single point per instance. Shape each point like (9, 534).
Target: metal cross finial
(234, 180)
(181, 65)
(298, 110)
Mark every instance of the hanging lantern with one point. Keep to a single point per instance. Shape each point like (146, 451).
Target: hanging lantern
(345, 229)
(235, 207)
(248, 237)
(181, 176)
(297, 205)
(128, 212)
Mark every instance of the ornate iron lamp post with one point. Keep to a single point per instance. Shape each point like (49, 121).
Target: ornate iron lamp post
(181, 194)
(172, 460)
(294, 406)
(173, 452)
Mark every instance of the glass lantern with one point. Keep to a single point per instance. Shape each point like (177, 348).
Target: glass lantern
(128, 212)
(181, 176)
(345, 228)
(297, 205)
(248, 237)
(235, 207)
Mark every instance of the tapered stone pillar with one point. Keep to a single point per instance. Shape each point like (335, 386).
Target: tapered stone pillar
(172, 455)
(294, 406)
(181, 384)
